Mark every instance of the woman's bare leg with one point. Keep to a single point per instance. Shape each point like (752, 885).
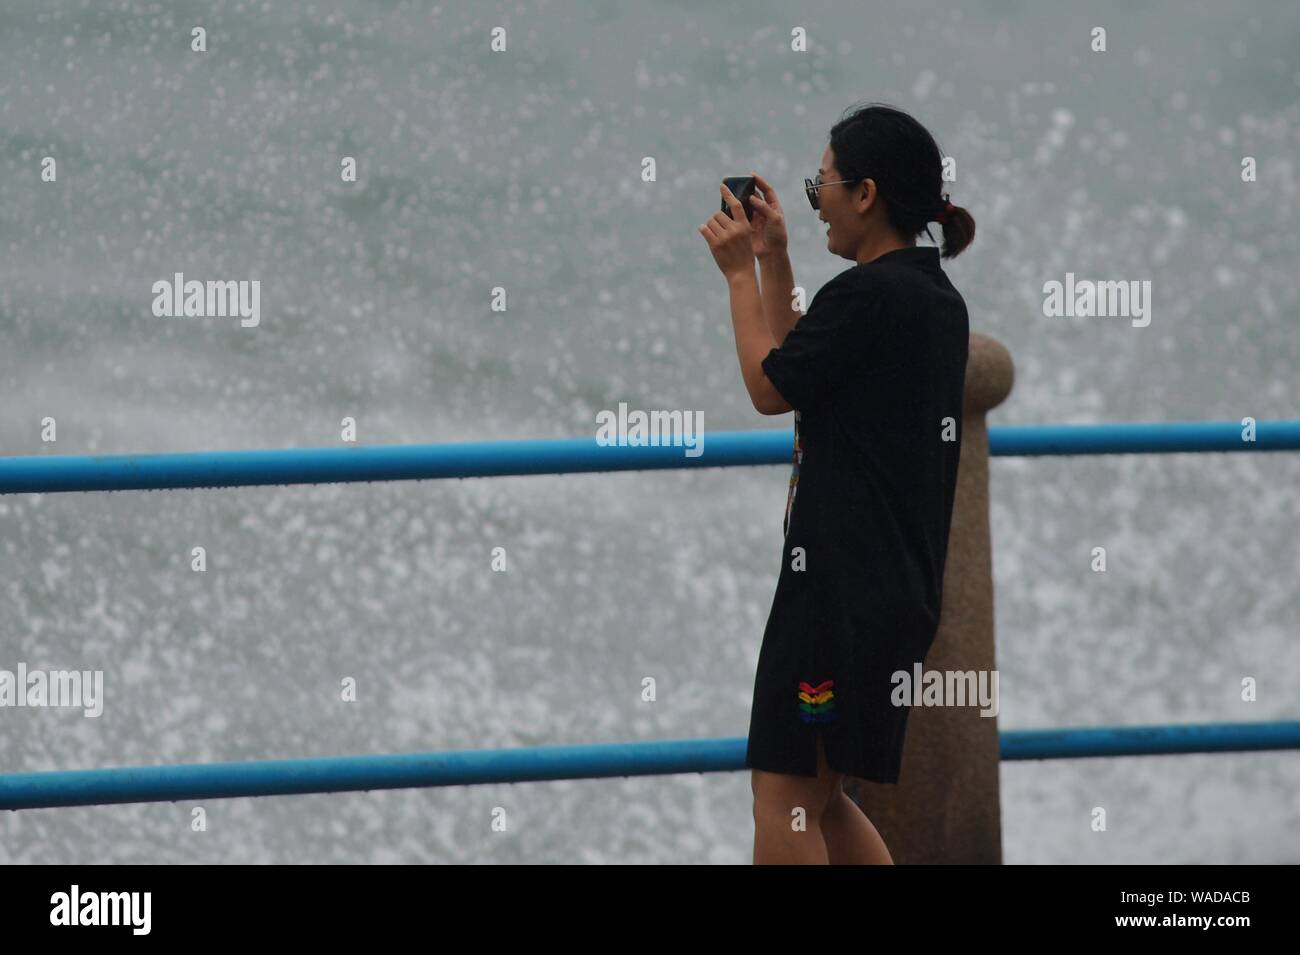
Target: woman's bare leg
(777, 839)
(850, 837)
(788, 813)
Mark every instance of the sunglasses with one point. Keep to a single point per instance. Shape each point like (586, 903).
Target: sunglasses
(810, 186)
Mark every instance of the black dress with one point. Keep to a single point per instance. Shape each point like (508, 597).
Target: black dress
(876, 372)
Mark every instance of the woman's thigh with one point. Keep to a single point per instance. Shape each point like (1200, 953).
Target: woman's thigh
(784, 791)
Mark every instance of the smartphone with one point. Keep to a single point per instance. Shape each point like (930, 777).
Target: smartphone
(742, 187)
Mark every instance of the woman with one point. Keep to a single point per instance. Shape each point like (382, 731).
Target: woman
(874, 374)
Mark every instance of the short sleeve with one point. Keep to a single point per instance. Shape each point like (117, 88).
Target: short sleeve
(827, 345)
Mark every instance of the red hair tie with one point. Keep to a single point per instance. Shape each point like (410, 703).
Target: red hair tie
(942, 217)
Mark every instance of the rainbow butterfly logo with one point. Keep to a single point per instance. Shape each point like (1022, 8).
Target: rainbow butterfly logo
(816, 703)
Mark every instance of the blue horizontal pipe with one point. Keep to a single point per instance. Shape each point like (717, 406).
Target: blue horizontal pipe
(1142, 437)
(403, 462)
(391, 462)
(328, 774)
(1153, 740)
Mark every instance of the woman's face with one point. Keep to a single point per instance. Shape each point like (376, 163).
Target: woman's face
(843, 208)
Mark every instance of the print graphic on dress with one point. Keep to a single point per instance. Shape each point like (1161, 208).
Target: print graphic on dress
(794, 475)
(816, 703)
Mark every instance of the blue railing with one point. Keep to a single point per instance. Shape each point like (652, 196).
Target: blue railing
(407, 462)
(497, 458)
(333, 774)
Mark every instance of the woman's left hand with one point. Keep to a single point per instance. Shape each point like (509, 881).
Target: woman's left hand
(729, 238)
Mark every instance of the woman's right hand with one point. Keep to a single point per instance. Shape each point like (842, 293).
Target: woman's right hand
(767, 228)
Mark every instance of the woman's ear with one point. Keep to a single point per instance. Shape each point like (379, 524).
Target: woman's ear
(868, 195)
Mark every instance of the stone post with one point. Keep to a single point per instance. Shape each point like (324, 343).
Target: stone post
(945, 807)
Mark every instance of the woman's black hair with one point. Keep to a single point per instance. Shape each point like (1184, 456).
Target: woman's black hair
(885, 144)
